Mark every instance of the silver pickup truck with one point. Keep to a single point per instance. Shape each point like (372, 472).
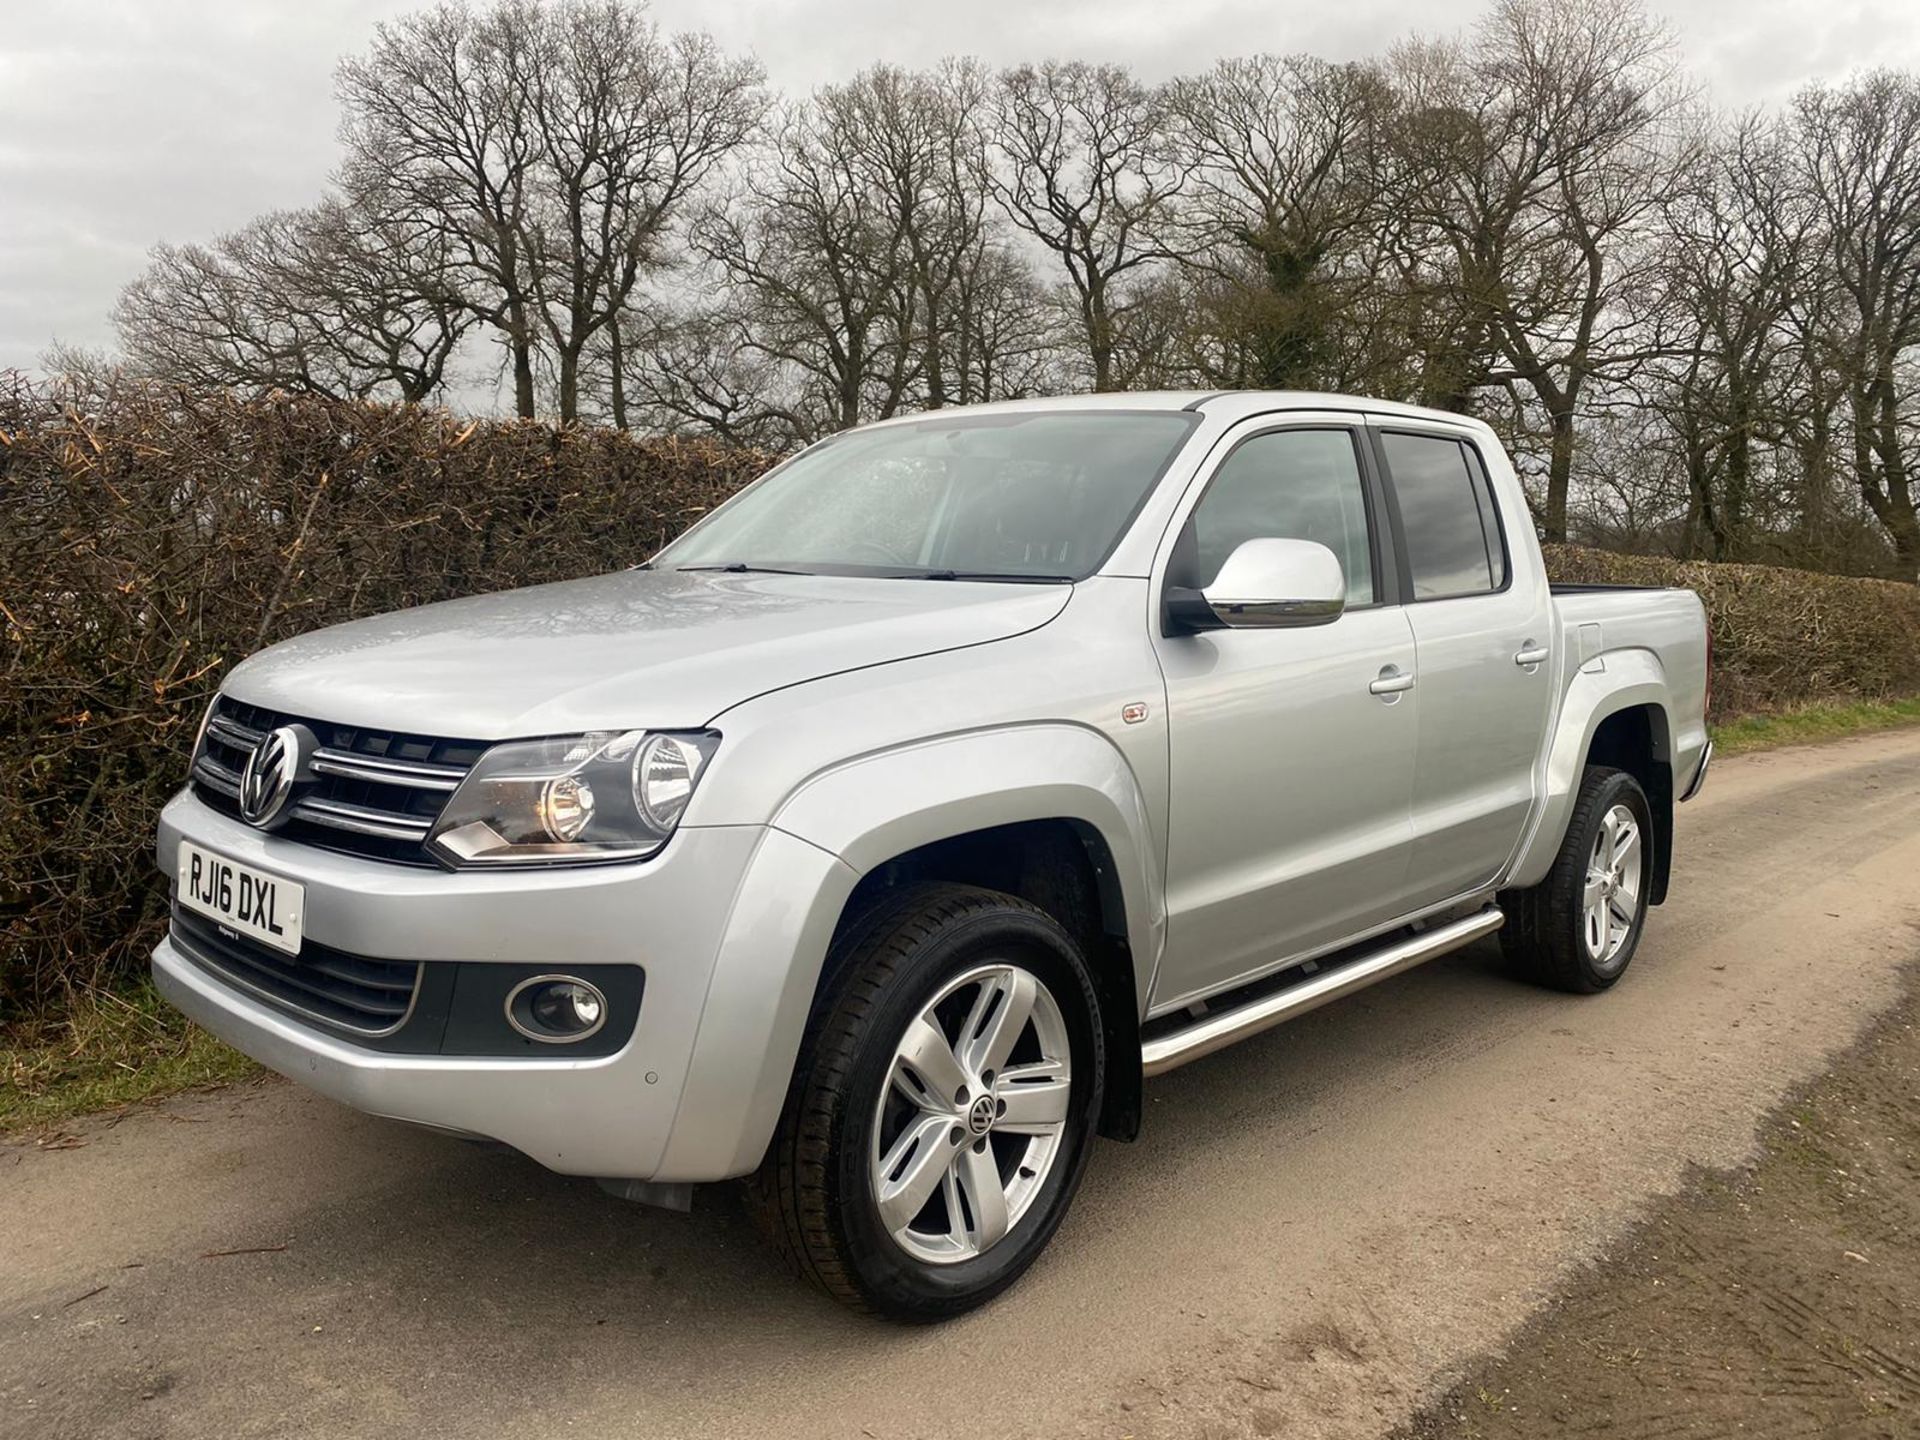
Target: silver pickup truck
(884, 834)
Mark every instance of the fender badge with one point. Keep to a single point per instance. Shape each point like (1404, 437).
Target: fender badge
(1133, 714)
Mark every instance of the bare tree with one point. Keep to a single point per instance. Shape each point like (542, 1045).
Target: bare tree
(1859, 149)
(1698, 335)
(1731, 258)
(550, 145)
(861, 270)
(1279, 154)
(628, 125)
(439, 114)
(1003, 341)
(333, 300)
(1537, 157)
(912, 136)
(701, 373)
(816, 258)
(1085, 170)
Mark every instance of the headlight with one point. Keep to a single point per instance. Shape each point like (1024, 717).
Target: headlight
(605, 796)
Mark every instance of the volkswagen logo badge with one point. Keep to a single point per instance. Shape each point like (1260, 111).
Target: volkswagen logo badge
(980, 1118)
(266, 783)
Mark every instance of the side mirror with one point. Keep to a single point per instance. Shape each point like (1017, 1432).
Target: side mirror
(1266, 584)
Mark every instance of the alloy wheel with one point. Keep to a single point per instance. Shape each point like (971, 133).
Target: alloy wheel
(1611, 900)
(970, 1119)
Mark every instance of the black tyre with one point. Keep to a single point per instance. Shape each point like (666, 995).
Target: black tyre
(1578, 928)
(943, 1106)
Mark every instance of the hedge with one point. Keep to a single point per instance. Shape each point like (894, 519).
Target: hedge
(150, 539)
(1781, 638)
(155, 538)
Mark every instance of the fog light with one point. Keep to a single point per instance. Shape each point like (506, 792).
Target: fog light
(556, 1009)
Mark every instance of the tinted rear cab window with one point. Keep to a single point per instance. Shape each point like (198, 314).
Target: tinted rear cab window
(1447, 521)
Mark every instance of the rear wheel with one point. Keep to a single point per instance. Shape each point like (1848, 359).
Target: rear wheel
(1577, 929)
(942, 1110)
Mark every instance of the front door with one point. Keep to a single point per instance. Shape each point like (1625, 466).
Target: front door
(1291, 750)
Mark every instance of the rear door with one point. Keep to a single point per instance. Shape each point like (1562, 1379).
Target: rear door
(1291, 751)
(1481, 633)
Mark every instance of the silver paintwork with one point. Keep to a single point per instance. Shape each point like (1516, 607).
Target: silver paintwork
(1287, 793)
(635, 650)
(950, 1089)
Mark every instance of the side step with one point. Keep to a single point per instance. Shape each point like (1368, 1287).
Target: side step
(1223, 1028)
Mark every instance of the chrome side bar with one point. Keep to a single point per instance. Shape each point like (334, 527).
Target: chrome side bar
(1217, 1031)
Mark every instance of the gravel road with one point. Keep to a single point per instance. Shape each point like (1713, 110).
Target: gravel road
(1316, 1231)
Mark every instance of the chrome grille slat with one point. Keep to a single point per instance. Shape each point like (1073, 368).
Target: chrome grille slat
(210, 771)
(242, 737)
(362, 820)
(419, 776)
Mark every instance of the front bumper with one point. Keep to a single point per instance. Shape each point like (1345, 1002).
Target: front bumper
(730, 924)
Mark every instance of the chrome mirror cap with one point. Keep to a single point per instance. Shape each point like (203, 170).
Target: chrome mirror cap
(1272, 583)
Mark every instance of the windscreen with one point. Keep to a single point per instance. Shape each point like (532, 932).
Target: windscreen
(1024, 496)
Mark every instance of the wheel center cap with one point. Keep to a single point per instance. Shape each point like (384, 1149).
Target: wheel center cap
(980, 1115)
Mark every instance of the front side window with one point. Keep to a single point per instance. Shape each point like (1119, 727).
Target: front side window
(1452, 537)
(1288, 485)
(1041, 495)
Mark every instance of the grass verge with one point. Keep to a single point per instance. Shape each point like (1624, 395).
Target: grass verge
(108, 1050)
(1806, 723)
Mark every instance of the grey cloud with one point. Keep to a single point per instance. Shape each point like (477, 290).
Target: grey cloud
(128, 122)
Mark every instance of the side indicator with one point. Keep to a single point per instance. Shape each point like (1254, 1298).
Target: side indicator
(1133, 714)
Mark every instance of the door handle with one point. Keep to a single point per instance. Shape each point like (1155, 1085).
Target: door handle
(1392, 681)
(1530, 654)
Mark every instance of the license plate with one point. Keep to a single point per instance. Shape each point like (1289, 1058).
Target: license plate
(243, 900)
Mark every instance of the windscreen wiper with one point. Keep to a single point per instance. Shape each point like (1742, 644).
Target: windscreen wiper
(740, 567)
(988, 575)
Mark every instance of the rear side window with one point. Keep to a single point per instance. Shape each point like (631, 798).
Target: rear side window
(1292, 485)
(1447, 520)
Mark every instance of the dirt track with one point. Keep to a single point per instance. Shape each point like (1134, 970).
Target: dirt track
(1777, 1303)
(1317, 1230)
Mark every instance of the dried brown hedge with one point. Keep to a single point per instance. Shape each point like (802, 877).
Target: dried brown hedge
(151, 539)
(155, 539)
(1780, 637)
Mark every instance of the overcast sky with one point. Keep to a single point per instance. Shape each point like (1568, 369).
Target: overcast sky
(128, 122)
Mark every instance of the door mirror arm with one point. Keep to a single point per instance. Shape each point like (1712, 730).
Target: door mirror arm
(1188, 612)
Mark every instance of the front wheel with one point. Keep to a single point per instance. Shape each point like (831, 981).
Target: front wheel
(1578, 928)
(943, 1107)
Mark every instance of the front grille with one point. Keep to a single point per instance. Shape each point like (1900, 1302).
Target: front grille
(372, 792)
(350, 992)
